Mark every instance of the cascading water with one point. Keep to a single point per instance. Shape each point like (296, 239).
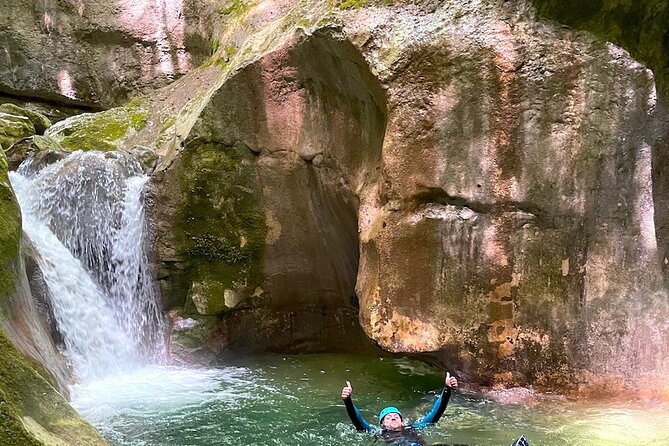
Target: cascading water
(85, 217)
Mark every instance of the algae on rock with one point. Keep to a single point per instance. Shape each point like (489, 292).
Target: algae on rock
(103, 131)
(10, 230)
(219, 227)
(32, 412)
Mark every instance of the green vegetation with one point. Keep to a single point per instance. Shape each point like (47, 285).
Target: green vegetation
(32, 412)
(39, 121)
(215, 45)
(100, 131)
(353, 4)
(640, 27)
(236, 8)
(220, 227)
(13, 128)
(10, 230)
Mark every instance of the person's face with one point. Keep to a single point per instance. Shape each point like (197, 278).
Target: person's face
(392, 422)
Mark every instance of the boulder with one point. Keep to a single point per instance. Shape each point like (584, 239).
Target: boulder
(103, 131)
(14, 128)
(39, 121)
(479, 179)
(42, 149)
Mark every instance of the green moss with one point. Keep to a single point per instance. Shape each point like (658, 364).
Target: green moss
(220, 227)
(215, 45)
(26, 396)
(348, 4)
(169, 122)
(138, 120)
(14, 128)
(10, 230)
(100, 131)
(353, 4)
(39, 121)
(230, 50)
(236, 8)
(135, 102)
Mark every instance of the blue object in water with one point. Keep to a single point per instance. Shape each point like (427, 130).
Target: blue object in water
(388, 410)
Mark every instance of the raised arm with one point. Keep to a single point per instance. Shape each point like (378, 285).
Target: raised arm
(439, 406)
(353, 412)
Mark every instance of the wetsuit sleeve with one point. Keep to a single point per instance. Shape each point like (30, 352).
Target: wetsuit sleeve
(437, 411)
(356, 416)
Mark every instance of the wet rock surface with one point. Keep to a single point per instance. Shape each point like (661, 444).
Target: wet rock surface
(472, 180)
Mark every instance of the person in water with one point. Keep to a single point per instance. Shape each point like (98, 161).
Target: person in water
(393, 430)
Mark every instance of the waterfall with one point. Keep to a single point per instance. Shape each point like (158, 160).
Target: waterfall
(85, 217)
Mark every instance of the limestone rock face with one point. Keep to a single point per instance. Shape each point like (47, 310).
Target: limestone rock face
(639, 27)
(99, 53)
(483, 178)
(474, 182)
(518, 194)
(258, 210)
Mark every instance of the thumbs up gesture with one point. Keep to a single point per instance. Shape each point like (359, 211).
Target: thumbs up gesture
(346, 391)
(450, 381)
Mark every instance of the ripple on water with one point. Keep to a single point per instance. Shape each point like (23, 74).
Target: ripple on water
(291, 401)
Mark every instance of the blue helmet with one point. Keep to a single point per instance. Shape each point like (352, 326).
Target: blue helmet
(387, 410)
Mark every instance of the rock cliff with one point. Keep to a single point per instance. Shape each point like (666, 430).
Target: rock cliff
(464, 180)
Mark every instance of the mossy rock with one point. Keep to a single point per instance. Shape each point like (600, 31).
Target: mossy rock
(236, 8)
(147, 158)
(14, 128)
(32, 412)
(39, 121)
(195, 339)
(220, 226)
(103, 131)
(43, 149)
(10, 230)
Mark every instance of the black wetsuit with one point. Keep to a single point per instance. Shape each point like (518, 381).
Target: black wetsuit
(407, 436)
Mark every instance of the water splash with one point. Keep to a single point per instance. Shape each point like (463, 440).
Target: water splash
(85, 216)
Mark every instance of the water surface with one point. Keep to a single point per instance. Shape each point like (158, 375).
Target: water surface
(294, 400)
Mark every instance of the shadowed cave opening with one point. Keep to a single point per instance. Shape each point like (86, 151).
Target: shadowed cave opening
(306, 123)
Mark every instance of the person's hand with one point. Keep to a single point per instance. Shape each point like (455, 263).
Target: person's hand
(346, 391)
(450, 381)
